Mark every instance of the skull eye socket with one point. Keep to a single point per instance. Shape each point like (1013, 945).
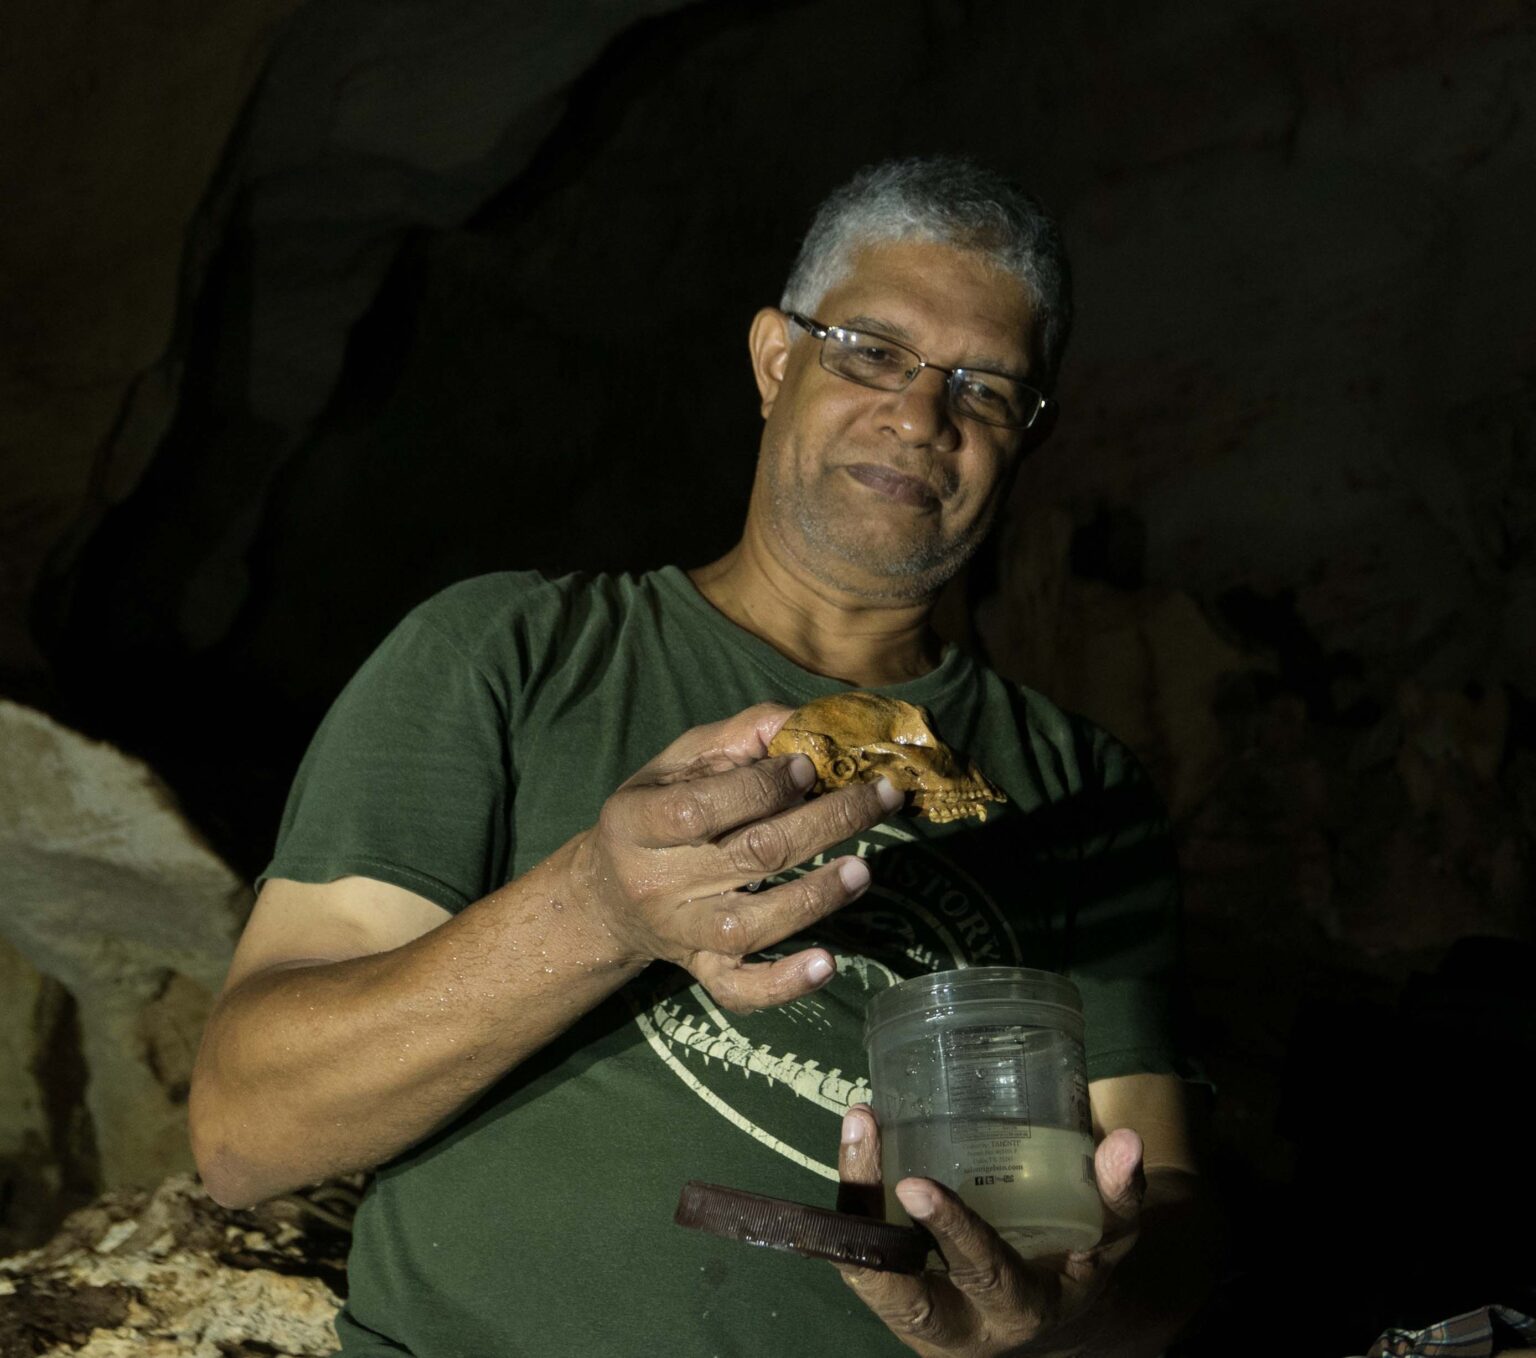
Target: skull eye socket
(844, 766)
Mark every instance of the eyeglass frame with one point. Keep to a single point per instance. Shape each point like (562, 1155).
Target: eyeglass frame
(818, 331)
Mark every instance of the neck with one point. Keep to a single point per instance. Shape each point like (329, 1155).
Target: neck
(821, 628)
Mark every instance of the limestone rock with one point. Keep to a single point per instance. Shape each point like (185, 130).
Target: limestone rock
(107, 890)
(171, 1274)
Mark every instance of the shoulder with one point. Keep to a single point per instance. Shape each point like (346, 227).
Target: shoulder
(471, 609)
(1087, 753)
(480, 613)
(514, 626)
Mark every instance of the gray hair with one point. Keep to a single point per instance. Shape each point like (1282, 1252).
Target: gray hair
(952, 201)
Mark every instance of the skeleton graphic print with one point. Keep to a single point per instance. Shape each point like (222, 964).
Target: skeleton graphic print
(922, 912)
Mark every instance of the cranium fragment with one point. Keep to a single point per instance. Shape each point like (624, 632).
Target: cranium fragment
(859, 737)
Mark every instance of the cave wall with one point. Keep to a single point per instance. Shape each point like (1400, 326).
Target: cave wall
(112, 121)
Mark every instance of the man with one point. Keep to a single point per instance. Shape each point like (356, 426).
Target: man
(529, 983)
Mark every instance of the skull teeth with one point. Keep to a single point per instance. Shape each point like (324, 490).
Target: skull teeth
(943, 806)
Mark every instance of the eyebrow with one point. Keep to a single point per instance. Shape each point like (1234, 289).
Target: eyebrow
(985, 363)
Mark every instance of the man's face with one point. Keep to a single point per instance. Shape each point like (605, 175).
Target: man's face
(886, 494)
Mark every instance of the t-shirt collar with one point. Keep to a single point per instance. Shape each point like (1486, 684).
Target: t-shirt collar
(954, 669)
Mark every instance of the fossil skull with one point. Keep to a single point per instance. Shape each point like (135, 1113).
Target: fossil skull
(859, 737)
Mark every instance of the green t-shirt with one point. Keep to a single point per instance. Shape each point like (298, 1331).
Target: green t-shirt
(490, 727)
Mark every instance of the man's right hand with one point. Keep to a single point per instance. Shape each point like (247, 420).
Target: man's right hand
(662, 870)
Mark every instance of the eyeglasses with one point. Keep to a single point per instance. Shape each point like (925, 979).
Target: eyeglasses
(875, 361)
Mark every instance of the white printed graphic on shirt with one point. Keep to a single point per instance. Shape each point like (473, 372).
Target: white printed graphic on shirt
(928, 916)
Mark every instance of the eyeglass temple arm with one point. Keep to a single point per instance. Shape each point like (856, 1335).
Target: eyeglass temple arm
(814, 327)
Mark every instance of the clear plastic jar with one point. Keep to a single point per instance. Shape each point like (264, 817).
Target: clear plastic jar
(979, 1083)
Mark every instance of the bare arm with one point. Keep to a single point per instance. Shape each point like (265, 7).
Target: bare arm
(311, 1067)
(358, 1017)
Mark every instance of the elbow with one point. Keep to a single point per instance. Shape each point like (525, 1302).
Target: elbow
(230, 1181)
(227, 1192)
(227, 1176)
(221, 1172)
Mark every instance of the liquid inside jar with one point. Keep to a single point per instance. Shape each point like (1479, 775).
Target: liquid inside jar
(1037, 1189)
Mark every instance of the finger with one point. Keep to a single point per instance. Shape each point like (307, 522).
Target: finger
(859, 1188)
(777, 842)
(1117, 1164)
(700, 809)
(921, 1309)
(717, 746)
(738, 922)
(984, 1269)
(746, 986)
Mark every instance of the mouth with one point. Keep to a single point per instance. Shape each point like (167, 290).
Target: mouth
(894, 485)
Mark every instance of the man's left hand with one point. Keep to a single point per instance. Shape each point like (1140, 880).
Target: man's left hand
(990, 1303)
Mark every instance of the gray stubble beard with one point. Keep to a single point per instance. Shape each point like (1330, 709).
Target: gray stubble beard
(919, 572)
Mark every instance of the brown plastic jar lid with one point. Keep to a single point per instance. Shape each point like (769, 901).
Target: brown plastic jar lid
(816, 1232)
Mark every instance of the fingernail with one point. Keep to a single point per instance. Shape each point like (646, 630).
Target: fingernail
(854, 873)
(917, 1200)
(890, 797)
(818, 969)
(802, 773)
(853, 1129)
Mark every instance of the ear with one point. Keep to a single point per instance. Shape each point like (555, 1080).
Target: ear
(768, 340)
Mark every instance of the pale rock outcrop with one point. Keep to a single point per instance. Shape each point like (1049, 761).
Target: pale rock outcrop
(106, 889)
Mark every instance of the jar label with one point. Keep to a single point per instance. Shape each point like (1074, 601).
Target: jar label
(986, 1081)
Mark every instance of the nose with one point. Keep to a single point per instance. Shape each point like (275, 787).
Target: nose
(919, 414)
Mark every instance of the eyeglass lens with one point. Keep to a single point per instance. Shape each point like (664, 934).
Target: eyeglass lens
(874, 361)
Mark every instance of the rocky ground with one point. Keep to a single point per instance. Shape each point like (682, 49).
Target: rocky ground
(171, 1274)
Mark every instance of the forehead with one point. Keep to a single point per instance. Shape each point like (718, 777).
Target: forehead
(953, 302)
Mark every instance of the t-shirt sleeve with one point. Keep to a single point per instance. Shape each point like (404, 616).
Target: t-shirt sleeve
(407, 780)
(1122, 930)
